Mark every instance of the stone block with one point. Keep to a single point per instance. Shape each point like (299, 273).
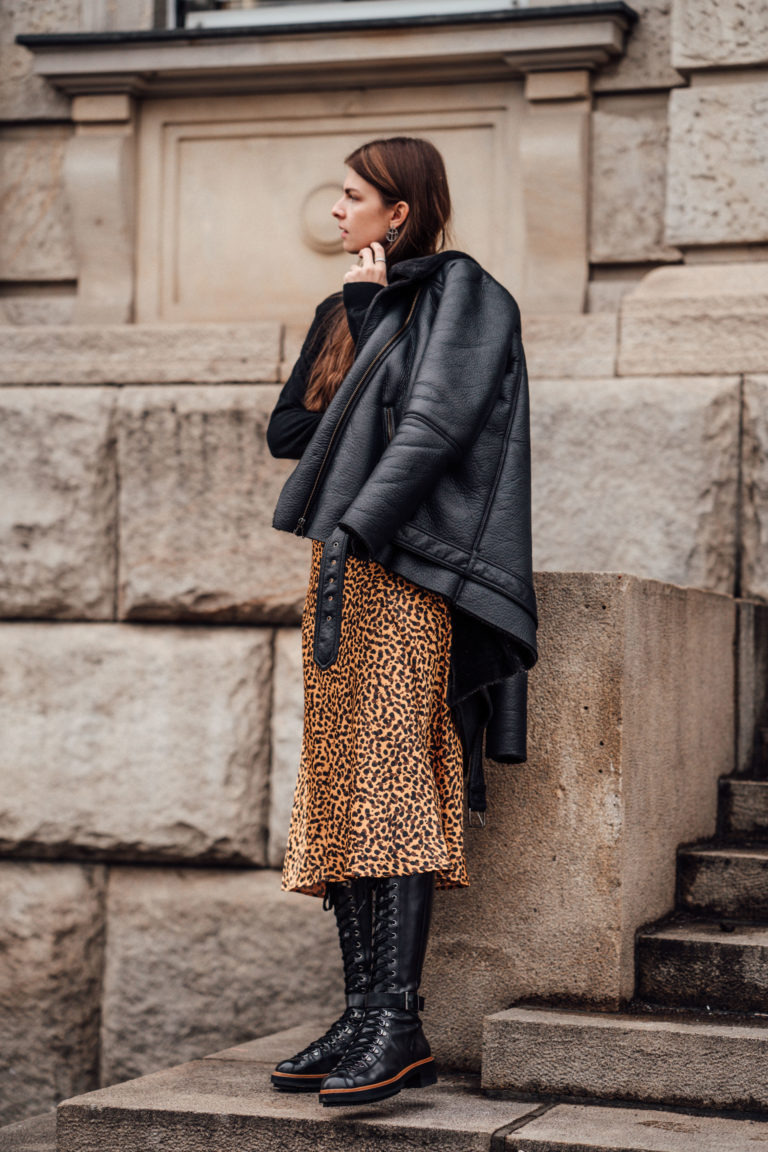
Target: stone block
(38, 1134)
(287, 725)
(570, 346)
(38, 304)
(139, 353)
(625, 748)
(713, 34)
(752, 686)
(36, 237)
(754, 558)
(718, 164)
(198, 487)
(699, 1063)
(51, 942)
(697, 965)
(629, 176)
(647, 61)
(696, 319)
(637, 475)
(23, 95)
(129, 742)
(744, 809)
(197, 960)
(58, 508)
(730, 882)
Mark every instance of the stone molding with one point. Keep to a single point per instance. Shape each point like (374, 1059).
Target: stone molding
(488, 46)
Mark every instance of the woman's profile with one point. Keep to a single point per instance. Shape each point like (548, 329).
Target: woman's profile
(407, 411)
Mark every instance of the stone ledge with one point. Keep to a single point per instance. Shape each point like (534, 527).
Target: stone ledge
(139, 353)
(696, 319)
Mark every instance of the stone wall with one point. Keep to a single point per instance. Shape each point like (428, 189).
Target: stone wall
(150, 687)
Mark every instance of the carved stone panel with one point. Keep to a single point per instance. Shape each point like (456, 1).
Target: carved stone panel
(236, 193)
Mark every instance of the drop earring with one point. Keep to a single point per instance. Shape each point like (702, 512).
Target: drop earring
(392, 235)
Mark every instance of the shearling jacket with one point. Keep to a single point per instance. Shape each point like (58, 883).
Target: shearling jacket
(422, 462)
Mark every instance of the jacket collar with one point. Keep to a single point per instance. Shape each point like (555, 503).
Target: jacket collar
(422, 267)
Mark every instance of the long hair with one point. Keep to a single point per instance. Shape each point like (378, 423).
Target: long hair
(400, 168)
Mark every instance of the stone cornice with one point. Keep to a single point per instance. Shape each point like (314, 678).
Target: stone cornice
(420, 49)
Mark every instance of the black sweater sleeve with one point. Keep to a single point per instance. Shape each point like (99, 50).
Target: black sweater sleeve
(292, 425)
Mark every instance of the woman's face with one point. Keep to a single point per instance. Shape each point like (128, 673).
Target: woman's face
(362, 215)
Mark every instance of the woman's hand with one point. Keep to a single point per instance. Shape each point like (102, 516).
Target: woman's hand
(373, 267)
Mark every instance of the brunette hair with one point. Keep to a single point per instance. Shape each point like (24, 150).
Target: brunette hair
(400, 168)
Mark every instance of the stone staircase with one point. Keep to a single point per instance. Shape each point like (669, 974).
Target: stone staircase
(696, 1035)
(684, 1069)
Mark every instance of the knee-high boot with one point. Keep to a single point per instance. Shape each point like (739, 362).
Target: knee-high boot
(352, 904)
(390, 1050)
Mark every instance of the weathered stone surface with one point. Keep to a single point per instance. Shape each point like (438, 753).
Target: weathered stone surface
(637, 475)
(755, 488)
(38, 1134)
(619, 1056)
(570, 346)
(139, 353)
(197, 491)
(713, 34)
(580, 844)
(697, 965)
(731, 882)
(584, 1128)
(696, 319)
(629, 170)
(752, 687)
(22, 93)
(38, 304)
(58, 503)
(118, 15)
(744, 809)
(197, 960)
(287, 723)
(51, 942)
(718, 164)
(227, 1103)
(647, 61)
(36, 239)
(134, 742)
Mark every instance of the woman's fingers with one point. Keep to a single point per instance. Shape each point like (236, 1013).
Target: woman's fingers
(372, 266)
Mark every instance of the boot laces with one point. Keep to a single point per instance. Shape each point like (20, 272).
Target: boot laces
(348, 914)
(346, 1025)
(368, 1044)
(385, 934)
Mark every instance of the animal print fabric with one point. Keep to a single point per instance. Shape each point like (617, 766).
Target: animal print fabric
(380, 784)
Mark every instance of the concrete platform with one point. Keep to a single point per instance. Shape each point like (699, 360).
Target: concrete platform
(670, 1060)
(698, 965)
(728, 882)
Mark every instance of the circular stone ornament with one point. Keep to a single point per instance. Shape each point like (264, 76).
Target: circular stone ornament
(319, 230)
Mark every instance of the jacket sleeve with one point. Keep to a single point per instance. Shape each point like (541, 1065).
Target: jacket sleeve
(291, 425)
(470, 341)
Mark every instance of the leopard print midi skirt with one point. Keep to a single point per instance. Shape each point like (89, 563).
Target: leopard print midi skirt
(380, 784)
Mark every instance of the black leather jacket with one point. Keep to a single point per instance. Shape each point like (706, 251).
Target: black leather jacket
(423, 459)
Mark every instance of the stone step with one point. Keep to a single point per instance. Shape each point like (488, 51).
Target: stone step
(696, 964)
(730, 882)
(743, 808)
(37, 1134)
(225, 1103)
(682, 1059)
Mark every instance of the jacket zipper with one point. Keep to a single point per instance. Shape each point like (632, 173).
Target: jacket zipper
(299, 529)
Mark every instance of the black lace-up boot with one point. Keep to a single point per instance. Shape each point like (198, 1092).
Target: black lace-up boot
(390, 1050)
(352, 904)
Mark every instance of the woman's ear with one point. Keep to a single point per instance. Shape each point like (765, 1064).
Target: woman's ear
(399, 214)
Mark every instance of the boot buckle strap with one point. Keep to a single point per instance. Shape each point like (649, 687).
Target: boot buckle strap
(355, 999)
(405, 1001)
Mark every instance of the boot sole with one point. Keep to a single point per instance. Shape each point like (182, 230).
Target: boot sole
(419, 1075)
(288, 1082)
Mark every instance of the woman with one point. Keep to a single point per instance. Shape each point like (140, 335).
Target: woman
(408, 411)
